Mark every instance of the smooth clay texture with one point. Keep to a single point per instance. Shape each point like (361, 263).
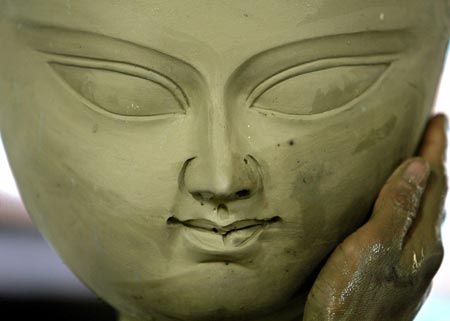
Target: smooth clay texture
(198, 160)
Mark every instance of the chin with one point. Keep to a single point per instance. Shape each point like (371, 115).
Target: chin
(213, 291)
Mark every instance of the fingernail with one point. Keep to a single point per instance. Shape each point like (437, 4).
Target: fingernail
(417, 172)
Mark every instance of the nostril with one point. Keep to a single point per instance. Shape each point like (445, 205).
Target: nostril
(243, 193)
(206, 196)
(172, 220)
(275, 219)
(222, 207)
(203, 197)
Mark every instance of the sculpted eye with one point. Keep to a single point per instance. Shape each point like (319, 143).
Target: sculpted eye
(123, 94)
(317, 91)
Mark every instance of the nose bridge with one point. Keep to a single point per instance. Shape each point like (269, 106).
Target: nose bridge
(219, 156)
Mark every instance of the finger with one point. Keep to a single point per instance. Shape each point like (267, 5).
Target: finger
(431, 214)
(434, 142)
(423, 247)
(433, 150)
(398, 202)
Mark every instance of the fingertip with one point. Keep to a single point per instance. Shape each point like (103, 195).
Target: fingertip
(442, 120)
(402, 169)
(434, 143)
(417, 171)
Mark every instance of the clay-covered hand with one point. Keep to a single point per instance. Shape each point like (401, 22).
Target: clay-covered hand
(383, 271)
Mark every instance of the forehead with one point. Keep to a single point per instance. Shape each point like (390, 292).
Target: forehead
(209, 33)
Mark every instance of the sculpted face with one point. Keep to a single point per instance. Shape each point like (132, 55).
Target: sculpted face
(199, 162)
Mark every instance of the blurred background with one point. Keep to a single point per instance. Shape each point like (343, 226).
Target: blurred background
(34, 281)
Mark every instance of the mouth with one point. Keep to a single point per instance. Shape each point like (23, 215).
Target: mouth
(207, 240)
(209, 226)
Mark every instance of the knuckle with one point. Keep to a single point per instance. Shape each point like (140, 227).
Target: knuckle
(349, 252)
(432, 267)
(368, 247)
(437, 257)
(371, 238)
(433, 260)
(394, 274)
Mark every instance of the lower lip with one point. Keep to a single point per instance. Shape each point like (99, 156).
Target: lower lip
(233, 243)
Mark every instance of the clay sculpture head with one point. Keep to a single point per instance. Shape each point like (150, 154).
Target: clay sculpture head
(199, 160)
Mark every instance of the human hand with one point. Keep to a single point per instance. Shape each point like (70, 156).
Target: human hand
(383, 271)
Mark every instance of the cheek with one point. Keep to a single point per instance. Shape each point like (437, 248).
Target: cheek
(99, 189)
(322, 178)
(321, 195)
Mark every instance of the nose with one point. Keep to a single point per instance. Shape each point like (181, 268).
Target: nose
(218, 173)
(224, 178)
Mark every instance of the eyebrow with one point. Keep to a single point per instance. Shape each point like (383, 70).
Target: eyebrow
(71, 43)
(246, 77)
(271, 62)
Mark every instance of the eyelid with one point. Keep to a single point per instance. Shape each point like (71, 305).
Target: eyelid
(313, 66)
(123, 68)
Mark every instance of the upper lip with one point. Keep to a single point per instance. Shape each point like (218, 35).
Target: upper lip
(208, 225)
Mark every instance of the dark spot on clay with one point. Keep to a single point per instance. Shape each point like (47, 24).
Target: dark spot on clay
(245, 161)
(291, 142)
(278, 145)
(376, 135)
(202, 204)
(291, 252)
(227, 263)
(58, 185)
(246, 15)
(215, 230)
(310, 197)
(413, 85)
(287, 271)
